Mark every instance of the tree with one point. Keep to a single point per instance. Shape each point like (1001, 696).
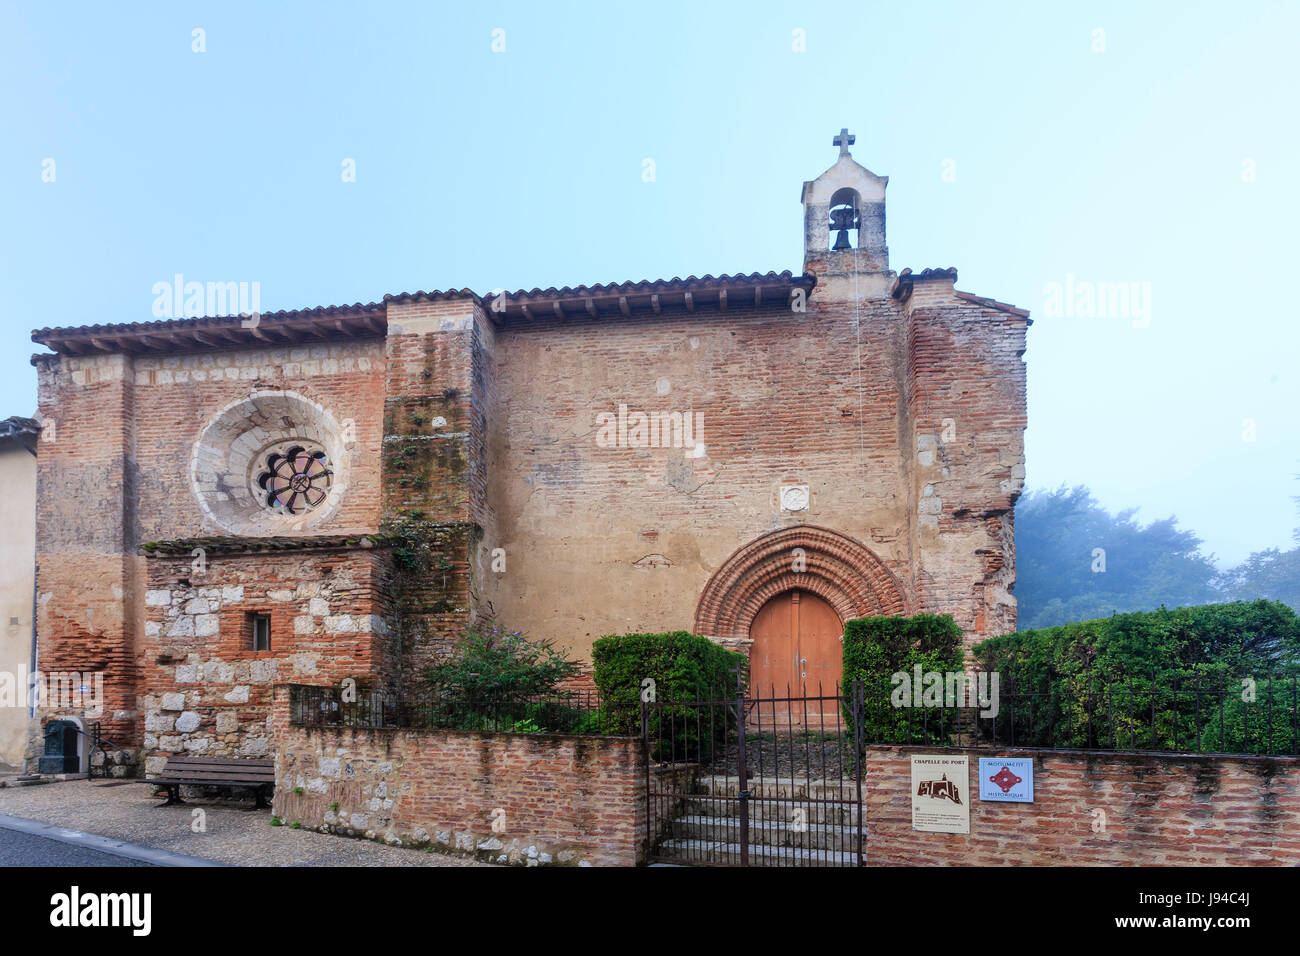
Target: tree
(1076, 561)
(1271, 573)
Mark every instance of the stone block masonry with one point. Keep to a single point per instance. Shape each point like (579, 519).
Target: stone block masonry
(208, 692)
(525, 799)
(1100, 809)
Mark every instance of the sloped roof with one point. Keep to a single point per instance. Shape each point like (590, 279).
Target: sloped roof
(738, 292)
(19, 430)
(907, 278)
(295, 326)
(229, 331)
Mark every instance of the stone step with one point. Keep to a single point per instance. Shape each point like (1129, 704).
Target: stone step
(766, 833)
(775, 808)
(688, 851)
(832, 789)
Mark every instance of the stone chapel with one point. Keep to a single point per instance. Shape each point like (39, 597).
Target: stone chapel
(225, 503)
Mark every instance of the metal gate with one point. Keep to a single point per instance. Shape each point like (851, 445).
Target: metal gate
(756, 780)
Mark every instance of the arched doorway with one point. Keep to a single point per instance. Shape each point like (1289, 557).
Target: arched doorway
(841, 571)
(796, 652)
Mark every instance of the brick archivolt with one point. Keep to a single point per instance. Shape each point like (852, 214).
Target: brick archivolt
(842, 571)
(228, 450)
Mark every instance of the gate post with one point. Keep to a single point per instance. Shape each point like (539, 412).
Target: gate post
(742, 782)
(860, 753)
(649, 796)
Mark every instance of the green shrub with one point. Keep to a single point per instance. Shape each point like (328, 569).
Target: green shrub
(1266, 723)
(559, 717)
(587, 722)
(685, 667)
(876, 648)
(492, 667)
(1152, 680)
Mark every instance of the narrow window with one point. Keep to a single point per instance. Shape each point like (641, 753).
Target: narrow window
(259, 628)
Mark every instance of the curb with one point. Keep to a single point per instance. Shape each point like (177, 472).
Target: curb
(103, 844)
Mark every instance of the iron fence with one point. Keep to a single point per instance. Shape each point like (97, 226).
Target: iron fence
(1195, 713)
(568, 712)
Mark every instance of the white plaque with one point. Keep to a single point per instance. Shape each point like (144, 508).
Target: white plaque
(941, 793)
(794, 497)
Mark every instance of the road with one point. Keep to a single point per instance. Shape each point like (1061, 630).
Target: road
(26, 849)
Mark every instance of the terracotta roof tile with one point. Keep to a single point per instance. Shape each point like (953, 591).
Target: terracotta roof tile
(16, 426)
(212, 322)
(907, 277)
(286, 326)
(657, 285)
(994, 304)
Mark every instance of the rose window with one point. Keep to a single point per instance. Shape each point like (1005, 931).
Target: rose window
(272, 463)
(293, 480)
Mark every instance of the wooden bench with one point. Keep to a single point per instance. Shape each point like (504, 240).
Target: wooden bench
(255, 775)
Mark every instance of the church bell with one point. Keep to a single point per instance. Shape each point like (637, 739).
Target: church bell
(843, 219)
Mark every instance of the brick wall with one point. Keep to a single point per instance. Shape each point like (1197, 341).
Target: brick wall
(115, 470)
(558, 799)
(88, 579)
(848, 398)
(611, 540)
(206, 692)
(1154, 810)
(176, 395)
(437, 408)
(965, 392)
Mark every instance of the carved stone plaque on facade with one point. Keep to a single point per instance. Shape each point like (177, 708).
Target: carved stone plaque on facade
(794, 497)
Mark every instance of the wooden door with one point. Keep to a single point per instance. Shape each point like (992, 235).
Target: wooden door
(797, 645)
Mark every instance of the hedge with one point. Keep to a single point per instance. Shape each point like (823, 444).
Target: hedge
(1258, 637)
(684, 667)
(876, 648)
(1169, 679)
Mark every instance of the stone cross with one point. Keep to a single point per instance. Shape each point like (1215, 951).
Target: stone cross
(844, 141)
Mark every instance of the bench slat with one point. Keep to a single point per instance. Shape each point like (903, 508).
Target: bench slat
(216, 771)
(260, 771)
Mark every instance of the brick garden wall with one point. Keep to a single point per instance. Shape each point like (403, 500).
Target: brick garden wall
(1156, 810)
(566, 799)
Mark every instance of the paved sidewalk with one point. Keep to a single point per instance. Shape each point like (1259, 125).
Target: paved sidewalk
(128, 812)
